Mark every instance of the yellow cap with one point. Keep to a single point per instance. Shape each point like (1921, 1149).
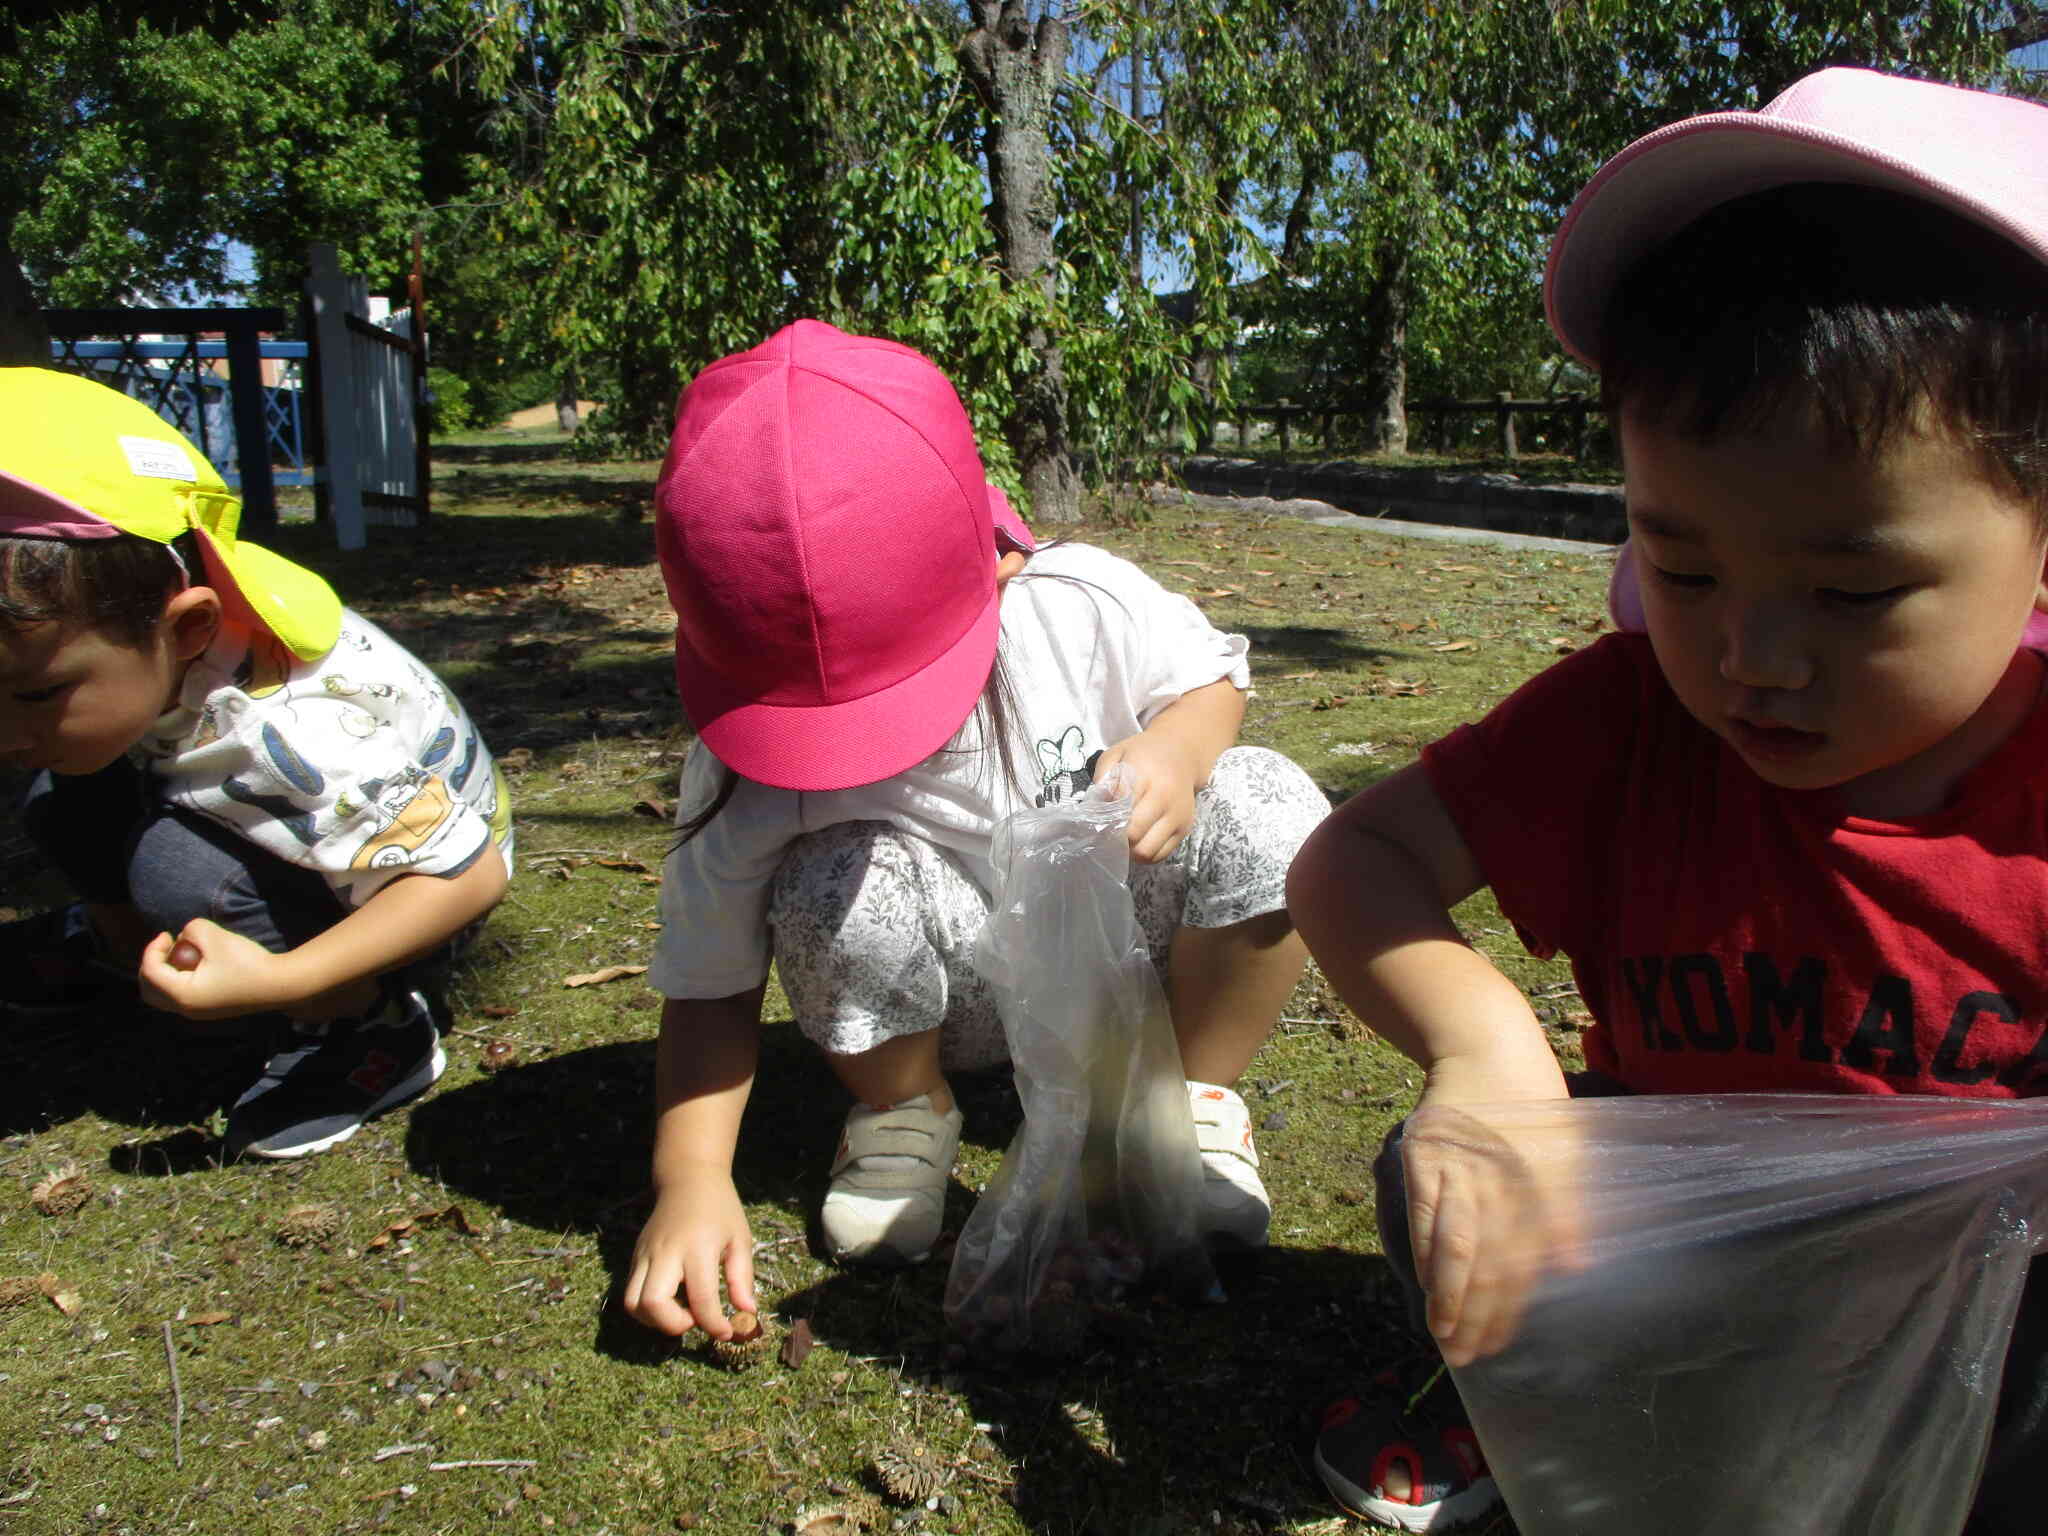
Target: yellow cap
(81, 461)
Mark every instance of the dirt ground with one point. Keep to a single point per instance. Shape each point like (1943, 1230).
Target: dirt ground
(543, 415)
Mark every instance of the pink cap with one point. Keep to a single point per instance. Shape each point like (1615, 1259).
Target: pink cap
(1978, 154)
(828, 539)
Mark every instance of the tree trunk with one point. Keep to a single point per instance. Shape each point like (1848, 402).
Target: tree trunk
(1016, 67)
(565, 401)
(1385, 385)
(24, 339)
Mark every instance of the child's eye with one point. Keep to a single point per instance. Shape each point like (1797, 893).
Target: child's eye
(40, 695)
(1876, 599)
(1685, 581)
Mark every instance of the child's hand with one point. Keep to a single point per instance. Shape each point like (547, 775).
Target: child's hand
(1161, 777)
(1492, 1208)
(206, 972)
(697, 1230)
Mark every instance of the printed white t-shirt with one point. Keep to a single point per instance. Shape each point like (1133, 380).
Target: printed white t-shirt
(360, 765)
(1095, 649)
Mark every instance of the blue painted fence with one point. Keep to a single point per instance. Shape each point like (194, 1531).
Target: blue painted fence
(180, 381)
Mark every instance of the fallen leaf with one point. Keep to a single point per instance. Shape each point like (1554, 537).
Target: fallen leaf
(1455, 645)
(797, 1343)
(572, 770)
(497, 1011)
(632, 864)
(650, 879)
(518, 760)
(208, 1319)
(1195, 565)
(62, 1297)
(1296, 677)
(599, 978)
(660, 810)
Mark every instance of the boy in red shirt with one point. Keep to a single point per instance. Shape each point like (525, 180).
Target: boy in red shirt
(1793, 830)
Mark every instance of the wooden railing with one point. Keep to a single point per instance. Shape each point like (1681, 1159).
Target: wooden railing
(1576, 410)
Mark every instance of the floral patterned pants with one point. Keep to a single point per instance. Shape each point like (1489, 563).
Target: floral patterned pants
(874, 928)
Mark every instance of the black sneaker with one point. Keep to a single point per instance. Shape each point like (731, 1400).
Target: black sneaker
(318, 1091)
(1407, 1422)
(54, 966)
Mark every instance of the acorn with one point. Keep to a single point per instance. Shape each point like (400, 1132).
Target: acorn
(751, 1343)
(185, 956)
(499, 1053)
(63, 1192)
(909, 1471)
(304, 1225)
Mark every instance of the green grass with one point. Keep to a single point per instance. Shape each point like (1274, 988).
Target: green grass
(463, 1308)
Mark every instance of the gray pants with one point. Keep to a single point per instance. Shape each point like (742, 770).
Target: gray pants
(874, 928)
(118, 844)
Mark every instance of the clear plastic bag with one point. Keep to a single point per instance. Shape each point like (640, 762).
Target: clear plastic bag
(1098, 1196)
(1782, 1313)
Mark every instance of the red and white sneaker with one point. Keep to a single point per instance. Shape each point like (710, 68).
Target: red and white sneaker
(1235, 1206)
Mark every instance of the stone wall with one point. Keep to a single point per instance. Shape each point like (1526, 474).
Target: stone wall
(1500, 503)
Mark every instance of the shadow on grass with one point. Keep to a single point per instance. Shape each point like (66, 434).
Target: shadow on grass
(141, 1070)
(1167, 1414)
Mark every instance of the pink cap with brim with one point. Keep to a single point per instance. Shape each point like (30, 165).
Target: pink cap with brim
(1978, 154)
(825, 530)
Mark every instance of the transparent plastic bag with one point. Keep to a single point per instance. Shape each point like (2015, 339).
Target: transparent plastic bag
(1098, 1196)
(1782, 1314)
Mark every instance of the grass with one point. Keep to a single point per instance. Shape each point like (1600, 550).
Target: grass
(420, 1331)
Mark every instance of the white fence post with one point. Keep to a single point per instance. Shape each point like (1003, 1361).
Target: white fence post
(328, 290)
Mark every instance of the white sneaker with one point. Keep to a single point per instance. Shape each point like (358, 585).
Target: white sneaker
(1235, 1206)
(888, 1193)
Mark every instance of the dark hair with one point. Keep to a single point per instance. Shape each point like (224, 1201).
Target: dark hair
(118, 586)
(1881, 314)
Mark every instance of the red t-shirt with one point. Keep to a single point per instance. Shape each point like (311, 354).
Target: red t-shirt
(1732, 937)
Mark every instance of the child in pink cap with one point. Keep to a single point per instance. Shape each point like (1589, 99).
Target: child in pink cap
(1794, 836)
(880, 667)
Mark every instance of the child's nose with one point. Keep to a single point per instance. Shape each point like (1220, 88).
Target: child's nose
(1763, 646)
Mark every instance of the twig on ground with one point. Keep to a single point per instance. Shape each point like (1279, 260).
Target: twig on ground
(177, 1400)
(390, 1451)
(481, 1461)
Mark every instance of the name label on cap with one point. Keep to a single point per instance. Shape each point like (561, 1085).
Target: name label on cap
(155, 459)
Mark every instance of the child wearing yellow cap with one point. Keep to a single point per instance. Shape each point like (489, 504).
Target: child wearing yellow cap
(274, 814)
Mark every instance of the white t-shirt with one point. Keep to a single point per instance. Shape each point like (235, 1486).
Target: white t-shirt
(361, 765)
(1094, 648)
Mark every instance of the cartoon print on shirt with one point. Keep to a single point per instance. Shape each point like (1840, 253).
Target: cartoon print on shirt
(409, 810)
(265, 669)
(1065, 766)
(284, 812)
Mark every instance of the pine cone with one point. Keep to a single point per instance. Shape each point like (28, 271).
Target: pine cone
(18, 1291)
(63, 1192)
(753, 1341)
(909, 1472)
(303, 1225)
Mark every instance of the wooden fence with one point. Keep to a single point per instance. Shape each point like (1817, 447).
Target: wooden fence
(1576, 411)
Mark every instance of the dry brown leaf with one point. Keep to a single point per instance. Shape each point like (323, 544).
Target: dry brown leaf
(62, 1192)
(599, 978)
(63, 1297)
(208, 1319)
(796, 1344)
(634, 865)
(496, 1011)
(1296, 677)
(650, 879)
(660, 810)
(1456, 645)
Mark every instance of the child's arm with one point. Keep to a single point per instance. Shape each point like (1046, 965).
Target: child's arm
(1371, 893)
(703, 1071)
(409, 917)
(1170, 759)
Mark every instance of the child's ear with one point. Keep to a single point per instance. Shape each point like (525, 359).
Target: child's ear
(191, 619)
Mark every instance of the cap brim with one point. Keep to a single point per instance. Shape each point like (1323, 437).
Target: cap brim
(1665, 180)
(858, 741)
(274, 594)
